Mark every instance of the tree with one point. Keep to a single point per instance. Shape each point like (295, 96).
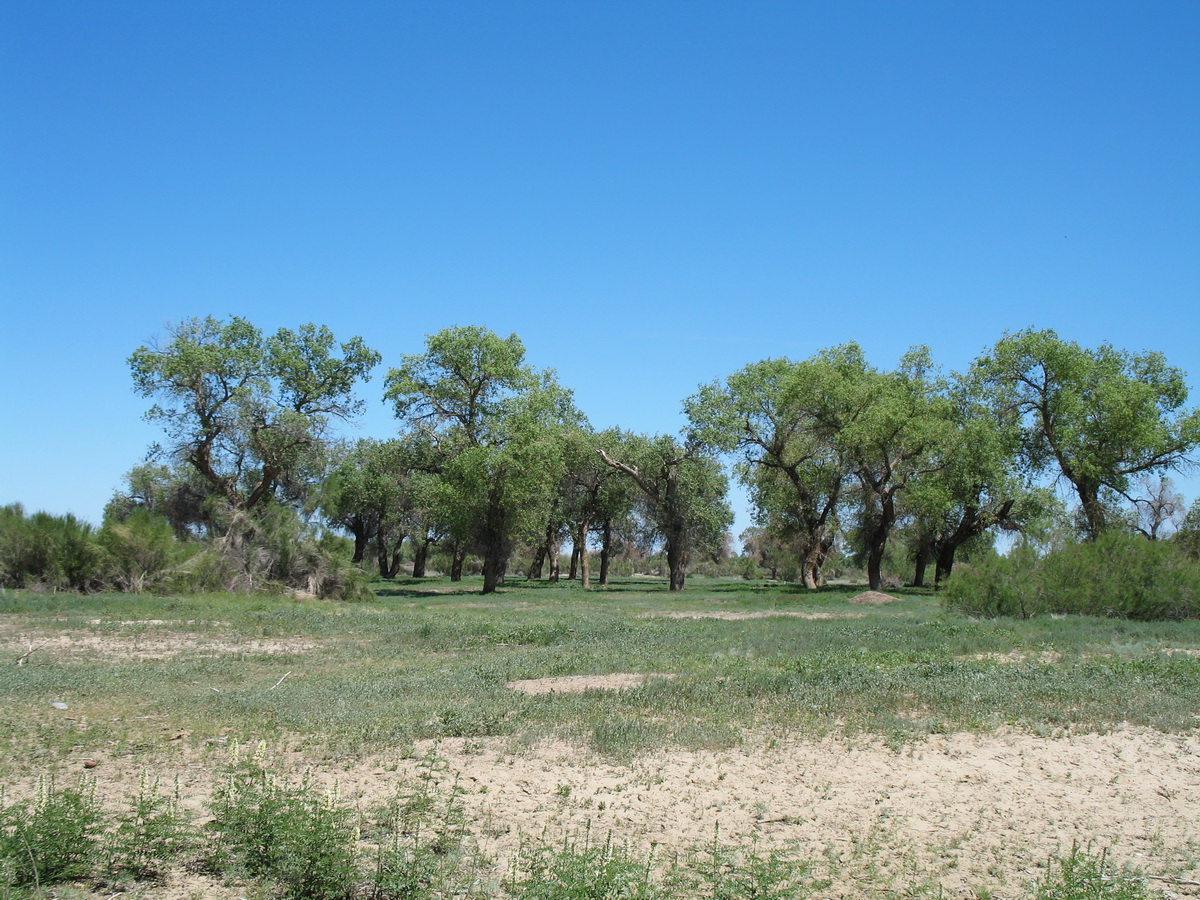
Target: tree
(370, 493)
(885, 427)
(494, 423)
(1156, 505)
(979, 485)
(177, 494)
(249, 413)
(1100, 417)
(683, 492)
(789, 461)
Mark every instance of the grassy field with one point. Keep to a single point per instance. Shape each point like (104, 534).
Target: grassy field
(157, 683)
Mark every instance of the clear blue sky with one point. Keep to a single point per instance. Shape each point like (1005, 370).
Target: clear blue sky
(651, 194)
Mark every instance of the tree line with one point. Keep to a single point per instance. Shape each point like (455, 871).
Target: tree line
(493, 461)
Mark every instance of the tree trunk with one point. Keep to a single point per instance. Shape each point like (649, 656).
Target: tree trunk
(814, 560)
(677, 558)
(493, 566)
(552, 552)
(387, 554)
(876, 540)
(362, 540)
(919, 564)
(945, 563)
(1093, 510)
(585, 570)
(535, 567)
(456, 563)
(420, 556)
(574, 561)
(605, 550)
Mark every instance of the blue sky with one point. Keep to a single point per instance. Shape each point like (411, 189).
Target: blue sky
(650, 194)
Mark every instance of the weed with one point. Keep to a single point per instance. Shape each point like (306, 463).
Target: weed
(602, 872)
(149, 837)
(55, 838)
(1086, 876)
(294, 834)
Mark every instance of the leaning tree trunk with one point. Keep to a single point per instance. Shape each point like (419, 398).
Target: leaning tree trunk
(420, 557)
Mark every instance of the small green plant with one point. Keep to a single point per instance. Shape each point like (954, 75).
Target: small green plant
(1086, 876)
(721, 872)
(602, 872)
(420, 840)
(295, 834)
(52, 839)
(148, 839)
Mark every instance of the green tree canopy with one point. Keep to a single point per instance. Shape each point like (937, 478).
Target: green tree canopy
(683, 494)
(496, 425)
(249, 412)
(1096, 417)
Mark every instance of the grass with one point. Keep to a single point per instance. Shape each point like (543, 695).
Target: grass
(431, 659)
(422, 662)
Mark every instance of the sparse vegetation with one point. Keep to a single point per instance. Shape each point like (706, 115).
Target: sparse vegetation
(336, 682)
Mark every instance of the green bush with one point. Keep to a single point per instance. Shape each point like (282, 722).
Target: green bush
(1118, 575)
(294, 835)
(140, 551)
(147, 840)
(54, 838)
(43, 550)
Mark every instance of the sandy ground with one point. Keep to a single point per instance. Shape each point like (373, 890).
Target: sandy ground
(963, 811)
(957, 812)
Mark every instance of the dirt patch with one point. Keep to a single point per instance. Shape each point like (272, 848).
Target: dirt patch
(145, 646)
(957, 812)
(577, 684)
(875, 597)
(1045, 657)
(963, 810)
(734, 616)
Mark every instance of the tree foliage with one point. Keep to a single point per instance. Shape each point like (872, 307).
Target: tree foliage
(495, 424)
(682, 492)
(1098, 417)
(249, 413)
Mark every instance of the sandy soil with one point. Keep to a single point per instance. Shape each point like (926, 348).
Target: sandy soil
(961, 811)
(577, 684)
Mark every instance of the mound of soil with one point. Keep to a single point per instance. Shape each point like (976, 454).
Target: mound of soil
(874, 597)
(577, 684)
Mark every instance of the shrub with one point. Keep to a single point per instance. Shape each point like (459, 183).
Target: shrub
(1083, 876)
(1117, 575)
(149, 837)
(54, 838)
(58, 552)
(140, 551)
(295, 835)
